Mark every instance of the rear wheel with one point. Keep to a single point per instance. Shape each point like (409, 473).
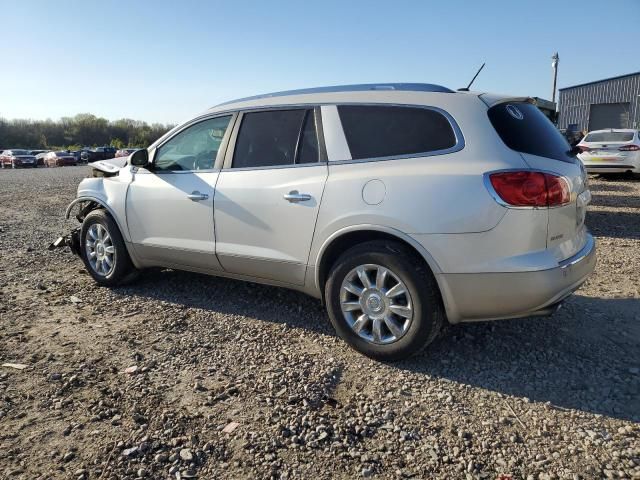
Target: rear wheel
(103, 251)
(383, 300)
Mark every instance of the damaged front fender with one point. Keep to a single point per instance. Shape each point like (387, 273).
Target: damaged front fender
(72, 239)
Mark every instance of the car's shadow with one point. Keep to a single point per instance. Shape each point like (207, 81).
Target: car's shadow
(585, 357)
(566, 360)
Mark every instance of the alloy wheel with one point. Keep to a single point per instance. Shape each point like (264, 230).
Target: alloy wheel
(100, 250)
(376, 304)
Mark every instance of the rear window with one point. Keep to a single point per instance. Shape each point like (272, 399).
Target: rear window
(609, 137)
(524, 128)
(388, 131)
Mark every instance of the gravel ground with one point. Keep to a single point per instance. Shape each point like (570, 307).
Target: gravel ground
(232, 380)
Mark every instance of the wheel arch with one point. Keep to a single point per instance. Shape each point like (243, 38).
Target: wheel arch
(347, 237)
(93, 204)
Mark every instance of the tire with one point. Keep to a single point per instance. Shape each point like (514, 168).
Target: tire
(121, 270)
(405, 272)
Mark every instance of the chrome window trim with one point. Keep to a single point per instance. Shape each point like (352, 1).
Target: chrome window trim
(459, 145)
(144, 171)
(236, 120)
(276, 167)
(489, 186)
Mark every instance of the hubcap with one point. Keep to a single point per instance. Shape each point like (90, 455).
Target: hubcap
(376, 304)
(100, 250)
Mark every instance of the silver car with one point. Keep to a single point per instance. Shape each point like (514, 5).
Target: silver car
(400, 206)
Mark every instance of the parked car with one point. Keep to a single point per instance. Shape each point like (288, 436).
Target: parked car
(40, 158)
(401, 206)
(60, 159)
(100, 153)
(17, 158)
(37, 154)
(125, 152)
(78, 155)
(611, 151)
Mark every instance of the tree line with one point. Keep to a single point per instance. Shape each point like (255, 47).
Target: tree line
(73, 133)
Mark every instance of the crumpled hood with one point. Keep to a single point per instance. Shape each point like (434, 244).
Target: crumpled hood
(109, 166)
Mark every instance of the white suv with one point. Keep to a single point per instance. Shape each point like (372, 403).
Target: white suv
(399, 205)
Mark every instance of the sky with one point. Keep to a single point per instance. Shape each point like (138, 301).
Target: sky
(165, 61)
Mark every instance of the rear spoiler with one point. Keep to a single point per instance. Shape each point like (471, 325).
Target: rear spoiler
(491, 100)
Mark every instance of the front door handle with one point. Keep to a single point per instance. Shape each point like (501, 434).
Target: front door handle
(294, 196)
(197, 196)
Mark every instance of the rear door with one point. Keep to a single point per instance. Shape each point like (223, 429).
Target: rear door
(268, 195)
(524, 128)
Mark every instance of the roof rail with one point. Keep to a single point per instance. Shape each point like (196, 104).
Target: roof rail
(403, 87)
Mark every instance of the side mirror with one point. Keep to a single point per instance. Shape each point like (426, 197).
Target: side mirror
(140, 158)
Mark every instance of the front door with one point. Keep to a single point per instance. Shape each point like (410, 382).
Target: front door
(268, 195)
(170, 204)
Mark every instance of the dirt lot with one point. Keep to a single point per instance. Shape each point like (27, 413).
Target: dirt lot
(531, 398)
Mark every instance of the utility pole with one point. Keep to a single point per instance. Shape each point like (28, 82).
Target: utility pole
(554, 65)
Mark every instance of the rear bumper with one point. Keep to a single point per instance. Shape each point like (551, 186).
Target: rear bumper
(612, 168)
(491, 296)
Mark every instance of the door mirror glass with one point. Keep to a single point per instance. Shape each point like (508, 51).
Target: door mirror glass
(140, 158)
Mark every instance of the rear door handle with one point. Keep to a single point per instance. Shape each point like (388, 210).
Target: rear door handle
(197, 196)
(294, 196)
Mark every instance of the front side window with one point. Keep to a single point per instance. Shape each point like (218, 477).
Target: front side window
(375, 131)
(276, 138)
(194, 148)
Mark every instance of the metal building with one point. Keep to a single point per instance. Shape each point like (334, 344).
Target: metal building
(609, 103)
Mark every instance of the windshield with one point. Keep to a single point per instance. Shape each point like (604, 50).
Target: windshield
(609, 137)
(20, 152)
(62, 154)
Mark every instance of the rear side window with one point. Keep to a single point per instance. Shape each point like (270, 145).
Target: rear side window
(524, 128)
(276, 138)
(388, 131)
(609, 137)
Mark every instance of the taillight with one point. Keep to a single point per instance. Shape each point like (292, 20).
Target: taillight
(583, 148)
(629, 148)
(530, 189)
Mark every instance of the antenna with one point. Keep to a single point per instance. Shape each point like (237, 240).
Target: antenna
(466, 89)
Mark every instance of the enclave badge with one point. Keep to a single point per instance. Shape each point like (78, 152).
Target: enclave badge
(515, 112)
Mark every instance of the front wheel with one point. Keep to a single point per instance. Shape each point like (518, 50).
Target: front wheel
(383, 300)
(103, 251)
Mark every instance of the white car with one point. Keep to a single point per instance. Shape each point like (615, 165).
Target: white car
(611, 151)
(400, 206)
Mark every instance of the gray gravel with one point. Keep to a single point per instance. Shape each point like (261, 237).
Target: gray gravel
(145, 381)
